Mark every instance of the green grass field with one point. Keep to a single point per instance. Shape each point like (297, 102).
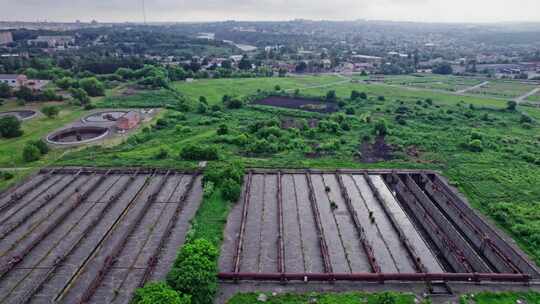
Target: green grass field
(34, 129)
(504, 89)
(433, 82)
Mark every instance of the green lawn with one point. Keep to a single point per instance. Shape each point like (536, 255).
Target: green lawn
(504, 89)
(433, 82)
(214, 89)
(34, 129)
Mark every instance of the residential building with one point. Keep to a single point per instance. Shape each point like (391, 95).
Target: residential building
(52, 41)
(128, 121)
(5, 38)
(13, 80)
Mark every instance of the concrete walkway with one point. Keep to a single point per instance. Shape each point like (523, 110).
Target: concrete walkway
(522, 98)
(473, 87)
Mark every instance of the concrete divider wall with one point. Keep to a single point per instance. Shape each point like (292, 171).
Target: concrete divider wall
(515, 258)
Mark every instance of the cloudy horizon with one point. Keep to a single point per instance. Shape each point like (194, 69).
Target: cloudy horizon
(469, 11)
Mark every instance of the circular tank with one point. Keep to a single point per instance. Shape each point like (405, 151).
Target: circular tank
(104, 117)
(77, 135)
(20, 114)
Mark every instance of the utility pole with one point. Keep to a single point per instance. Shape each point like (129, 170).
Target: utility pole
(144, 12)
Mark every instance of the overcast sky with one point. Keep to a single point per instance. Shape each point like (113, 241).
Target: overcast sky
(214, 10)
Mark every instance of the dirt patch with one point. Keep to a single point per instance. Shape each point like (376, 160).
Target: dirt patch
(376, 151)
(130, 91)
(290, 122)
(298, 104)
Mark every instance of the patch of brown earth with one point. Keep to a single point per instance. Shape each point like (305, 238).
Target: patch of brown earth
(376, 151)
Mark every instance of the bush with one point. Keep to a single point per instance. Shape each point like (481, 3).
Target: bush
(234, 104)
(31, 153)
(199, 152)
(218, 173)
(6, 175)
(92, 86)
(381, 98)
(50, 111)
(159, 293)
(195, 271)
(222, 129)
(381, 128)
(10, 127)
(475, 145)
(231, 190)
(162, 154)
(511, 105)
(41, 145)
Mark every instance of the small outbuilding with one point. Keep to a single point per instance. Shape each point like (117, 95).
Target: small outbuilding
(128, 121)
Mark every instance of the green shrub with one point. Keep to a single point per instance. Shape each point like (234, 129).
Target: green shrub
(162, 154)
(231, 190)
(475, 145)
(381, 128)
(222, 129)
(10, 127)
(195, 271)
(159, 293)
(30, 153)
(41, 145)
(199, 152)
(6, 175)
(218, 173)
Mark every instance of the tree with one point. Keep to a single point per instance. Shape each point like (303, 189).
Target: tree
(511, 105)
(277, 87)
(443, 69)
(41, 145)
(80, 95)
(222, 129)
(301, 67)
(381, 128)
(159, 293)
(50, 111)
(226, 64)
(25, 93)
(125, 73)
(10, 127)
(245, 63)
(92, 86)
(50, 95)
(231, 190)
(5, 90)
(331, 96)
(65, 83)
(282, 72)
(31, 153)
(194, 271)
(355, 94)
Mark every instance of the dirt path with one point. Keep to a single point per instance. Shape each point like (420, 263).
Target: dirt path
(522, 98)
(473, 87)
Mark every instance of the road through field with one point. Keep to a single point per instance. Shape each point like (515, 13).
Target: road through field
(473, 87)
(520, 99)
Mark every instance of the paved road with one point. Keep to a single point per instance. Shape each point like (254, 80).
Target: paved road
(522, 98)
(473, 87)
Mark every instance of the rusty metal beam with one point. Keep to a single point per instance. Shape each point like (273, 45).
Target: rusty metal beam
(476, 263)
(44, 201)
(318, 225)
(28, 295)
(240, 240)
(413, 254)
(281, 246)
(112, 257)
(452, 253)
(378, 277)
(153, 260)
(477, 236)
(368, 248)
(94, 223)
